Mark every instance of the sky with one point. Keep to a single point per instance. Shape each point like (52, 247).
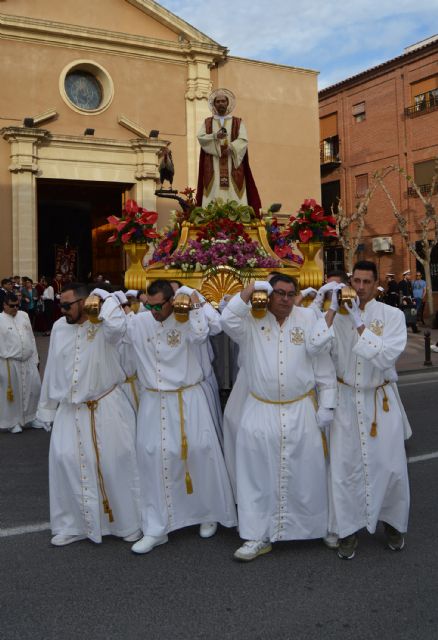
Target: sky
(335, 37)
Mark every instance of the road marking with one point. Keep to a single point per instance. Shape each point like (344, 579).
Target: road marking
(27, 528)
(45, 526)
(426, 456)
(415, 384)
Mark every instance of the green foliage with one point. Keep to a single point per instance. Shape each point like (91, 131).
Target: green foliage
(218, 208)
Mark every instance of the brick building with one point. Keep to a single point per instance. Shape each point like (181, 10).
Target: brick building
(383, 116)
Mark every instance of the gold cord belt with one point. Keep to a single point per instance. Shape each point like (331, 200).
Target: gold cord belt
(184, 443)
(9, 390)
(385, 403)
(309, 394)
(92, 406)
(131, 380)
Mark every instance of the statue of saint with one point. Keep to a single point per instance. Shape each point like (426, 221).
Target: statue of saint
(224, 170)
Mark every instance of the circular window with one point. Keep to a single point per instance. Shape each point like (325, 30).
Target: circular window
(84, 90)
(86, 87)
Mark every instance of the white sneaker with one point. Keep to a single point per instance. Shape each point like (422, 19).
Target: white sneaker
(251, 549)
(133, 537)
(15, 429)
(147, 543)
(60, 540)
(434, 348)
(37, 424)
(207, 529)
(331, 541)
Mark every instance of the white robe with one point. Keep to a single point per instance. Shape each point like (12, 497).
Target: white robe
(167, 361)
(211, 145)
(206, 356)
(83, 364)
(369, 479)
(17, 346)
(280, 466)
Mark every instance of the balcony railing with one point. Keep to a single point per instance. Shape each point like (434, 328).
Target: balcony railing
(425, 190)
(425, 103)
(329, 151)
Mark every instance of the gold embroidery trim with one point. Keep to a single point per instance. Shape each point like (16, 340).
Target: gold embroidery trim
(9, 390)
(131, 380)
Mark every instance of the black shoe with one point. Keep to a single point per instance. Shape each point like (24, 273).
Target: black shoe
(394, 539)
(347, 547)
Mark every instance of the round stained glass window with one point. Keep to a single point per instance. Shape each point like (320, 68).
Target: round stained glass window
(83, 90)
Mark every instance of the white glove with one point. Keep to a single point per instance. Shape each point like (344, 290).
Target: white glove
(324, 417)
(184, 289)
(310, 291)
(334, 304)
(262, 285)
(223, 303)
(354, 313)
(48, 426)
(101, 293)
(132, 292)
(120, 297)
(320, 294)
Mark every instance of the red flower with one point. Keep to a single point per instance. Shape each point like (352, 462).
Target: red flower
(282, 252)
(127, 236)
(330, 220)
(131, 208)
(308, 204)
(148, 217)
(112, 238)
(330, 233)
(305, 234)
(149, 233)
(113, 220)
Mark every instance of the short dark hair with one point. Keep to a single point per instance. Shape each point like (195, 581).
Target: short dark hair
(160, 286)
(338, 273)
(6, 281)
(79, 288)
(281, 277)
(366, 265)
(10, 297)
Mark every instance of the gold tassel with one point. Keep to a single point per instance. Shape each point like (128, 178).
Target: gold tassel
(189, 486)
(373, 431)
(184, 447)
(324, 444)
(385, 403)
(9, 391)
(107, 509)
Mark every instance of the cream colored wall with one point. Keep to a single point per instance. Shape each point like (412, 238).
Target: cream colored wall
(5, 213)
(111, 15)
(280, 108)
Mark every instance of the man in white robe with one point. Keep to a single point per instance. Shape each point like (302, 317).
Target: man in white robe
(93, 478)
(20, 383)
(224, 170)
(280, 466)
(369, 479)
(182, 471)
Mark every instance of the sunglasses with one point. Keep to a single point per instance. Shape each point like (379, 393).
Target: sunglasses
(66, 306)
(156, 307)
(12, 306)
(284, 294)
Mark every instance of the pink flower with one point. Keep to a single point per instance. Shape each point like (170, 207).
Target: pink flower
(305, 234)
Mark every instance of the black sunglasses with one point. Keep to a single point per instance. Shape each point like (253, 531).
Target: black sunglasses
(68, 305)
(156, 307)
(12, 306)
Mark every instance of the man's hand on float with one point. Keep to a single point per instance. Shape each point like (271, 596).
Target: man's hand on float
(103, 295)
(334, 304)
(320, 294)
(120, 296)
(310, 291)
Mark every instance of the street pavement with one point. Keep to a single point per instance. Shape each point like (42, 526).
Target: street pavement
(192, 589)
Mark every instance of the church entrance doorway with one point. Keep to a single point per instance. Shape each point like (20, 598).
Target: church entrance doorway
(73, 229)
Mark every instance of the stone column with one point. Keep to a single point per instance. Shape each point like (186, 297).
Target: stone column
(198, 89)
(24, 171)
(146, 172)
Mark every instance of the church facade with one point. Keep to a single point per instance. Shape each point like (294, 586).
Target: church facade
(92, 91)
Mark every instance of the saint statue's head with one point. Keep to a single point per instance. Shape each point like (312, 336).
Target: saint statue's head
(222, 102)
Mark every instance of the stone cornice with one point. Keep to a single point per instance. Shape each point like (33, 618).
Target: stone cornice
(262, 63)
(112, 42)
(173, 22)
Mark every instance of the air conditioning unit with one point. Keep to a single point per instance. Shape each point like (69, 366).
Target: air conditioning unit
(383, 244)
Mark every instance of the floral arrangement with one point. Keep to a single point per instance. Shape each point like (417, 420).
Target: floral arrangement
(221, 242)
(310, 223)
(166, 245)
(135, 225)
(281, 245)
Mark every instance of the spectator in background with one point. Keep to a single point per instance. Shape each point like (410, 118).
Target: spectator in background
(7, 287)
(405, 285)
(419, 291)
(16, 281)
(392, 291)
(29, 299)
